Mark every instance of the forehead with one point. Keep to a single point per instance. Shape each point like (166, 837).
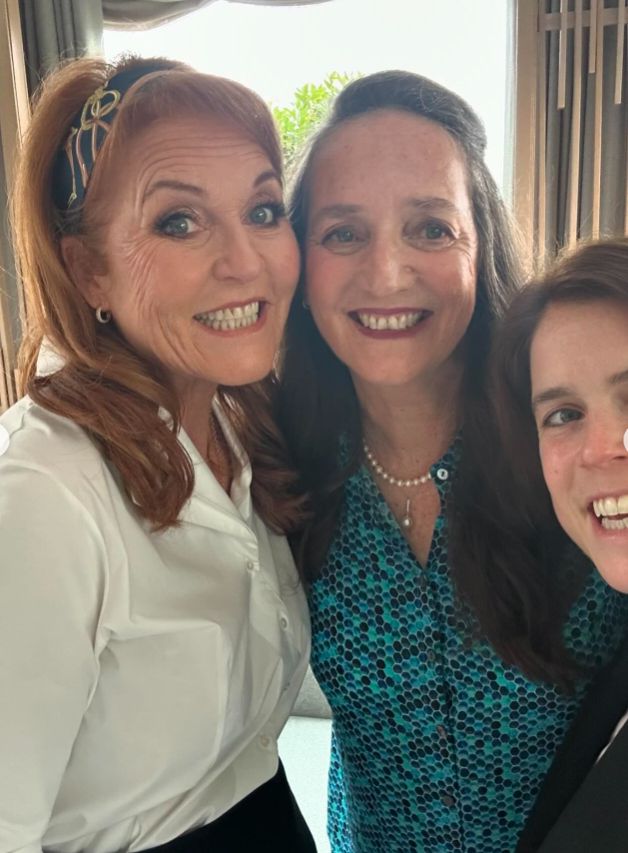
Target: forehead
(388, 146)
(187, 144)
(579, 339)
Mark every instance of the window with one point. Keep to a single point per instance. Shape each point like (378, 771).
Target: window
(276, 50)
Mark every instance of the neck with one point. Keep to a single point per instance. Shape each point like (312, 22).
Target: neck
(195, 401)
(410, 426)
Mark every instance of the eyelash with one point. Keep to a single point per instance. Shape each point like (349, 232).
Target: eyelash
(433, 223)
(332, 235)
(276, 208)
(163, 222)
(546, 423)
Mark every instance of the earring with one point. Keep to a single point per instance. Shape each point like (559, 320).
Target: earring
(626, 439)
(103, 315)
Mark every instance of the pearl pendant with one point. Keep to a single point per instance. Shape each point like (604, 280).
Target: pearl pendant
(406, 521)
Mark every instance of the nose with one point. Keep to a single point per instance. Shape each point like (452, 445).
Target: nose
(603, 440)
(386, 268)
(237, 255)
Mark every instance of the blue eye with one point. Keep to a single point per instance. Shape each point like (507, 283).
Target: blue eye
(563, 416)
(177, 225)
(267, 214)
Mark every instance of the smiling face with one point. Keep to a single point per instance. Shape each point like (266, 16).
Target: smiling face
(200, 262)
(579, 372)
(391, 248)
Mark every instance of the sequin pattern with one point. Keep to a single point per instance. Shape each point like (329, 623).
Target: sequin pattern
(437, 746)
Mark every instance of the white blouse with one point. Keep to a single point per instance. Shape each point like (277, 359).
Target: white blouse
(144, 677)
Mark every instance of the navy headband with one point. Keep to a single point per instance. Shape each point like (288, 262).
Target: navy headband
(90, 127)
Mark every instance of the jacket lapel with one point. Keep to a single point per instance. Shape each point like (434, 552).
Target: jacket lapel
(604, 705)
(596, 818)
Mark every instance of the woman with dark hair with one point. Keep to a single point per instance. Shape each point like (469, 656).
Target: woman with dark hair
(562, 388)
(153, 631)
(437, 636)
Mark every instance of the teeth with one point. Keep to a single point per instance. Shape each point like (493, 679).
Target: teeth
(605, 507)
(615, 523)
(231, 318)
(390, 321)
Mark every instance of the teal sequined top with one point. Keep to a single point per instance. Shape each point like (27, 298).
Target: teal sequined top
(437, 746)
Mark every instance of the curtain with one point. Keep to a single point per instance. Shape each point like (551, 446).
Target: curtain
(9, 305)
(582, 122)
(143, 14)
(55, 30)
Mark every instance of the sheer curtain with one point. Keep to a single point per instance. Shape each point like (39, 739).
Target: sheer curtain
(142, 14)
(56, 30)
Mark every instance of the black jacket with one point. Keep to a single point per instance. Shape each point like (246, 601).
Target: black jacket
(582, 806)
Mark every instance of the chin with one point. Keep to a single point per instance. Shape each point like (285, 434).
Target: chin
(614, 572)
(243, 376)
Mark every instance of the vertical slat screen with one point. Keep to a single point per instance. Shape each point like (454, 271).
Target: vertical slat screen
(597, 39)
(579, 72)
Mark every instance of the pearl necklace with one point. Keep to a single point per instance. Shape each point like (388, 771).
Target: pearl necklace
(406, 520)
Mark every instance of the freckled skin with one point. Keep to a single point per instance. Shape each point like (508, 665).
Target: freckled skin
(577, 349)
(389, 165)
(155, 283)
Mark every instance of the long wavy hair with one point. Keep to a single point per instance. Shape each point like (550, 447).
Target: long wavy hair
(105, 386)
(498, 577)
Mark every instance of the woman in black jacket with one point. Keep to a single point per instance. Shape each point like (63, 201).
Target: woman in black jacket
(562, 364)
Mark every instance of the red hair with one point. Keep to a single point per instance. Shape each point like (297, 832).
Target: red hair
(105, 386)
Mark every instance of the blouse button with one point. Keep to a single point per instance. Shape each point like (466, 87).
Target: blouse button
(442, 732)
(447, 800)
(442, 474)
(264, 741)
(251, 566)
(4, 440)
(283, 621)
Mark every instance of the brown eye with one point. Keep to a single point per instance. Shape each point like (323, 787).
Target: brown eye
(435, 231)
(340, 235)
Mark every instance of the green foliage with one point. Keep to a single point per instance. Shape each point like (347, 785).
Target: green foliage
(308, 108)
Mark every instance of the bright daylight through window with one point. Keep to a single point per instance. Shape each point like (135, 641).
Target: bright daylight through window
(278, 50)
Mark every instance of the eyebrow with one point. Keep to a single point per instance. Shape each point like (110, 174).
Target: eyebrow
(618, 378)
(431, 202)
(337, 211)
(549, 395)
(559, 391)
(182, 186)
(166, 184)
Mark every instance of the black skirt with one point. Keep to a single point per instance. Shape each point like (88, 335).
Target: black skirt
(267, 821)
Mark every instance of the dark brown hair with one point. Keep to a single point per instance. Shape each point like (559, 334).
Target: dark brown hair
(105, 386)
(594, 271)
(319, 413)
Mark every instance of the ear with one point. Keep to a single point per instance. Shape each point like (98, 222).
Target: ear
(85, 270)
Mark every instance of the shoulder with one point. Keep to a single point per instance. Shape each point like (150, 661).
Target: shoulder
(30, 434)
(37, 445)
